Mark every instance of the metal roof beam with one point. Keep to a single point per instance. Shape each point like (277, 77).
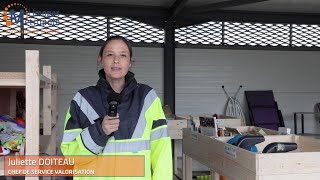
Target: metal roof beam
(219, 5)
(245, 16)
(175, 9)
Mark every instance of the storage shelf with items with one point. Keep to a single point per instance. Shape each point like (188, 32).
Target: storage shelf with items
(31, 83)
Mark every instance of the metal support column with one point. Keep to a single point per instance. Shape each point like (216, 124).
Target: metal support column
(169, 65)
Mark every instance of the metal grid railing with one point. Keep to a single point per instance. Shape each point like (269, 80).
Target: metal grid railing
(305, 35)
(206, 33)
(89, 28)
(235, 34)
(136, 31)
(83, 28)
(71, 27)
(256, 34)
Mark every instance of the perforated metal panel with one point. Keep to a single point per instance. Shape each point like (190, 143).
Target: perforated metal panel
(206, 33)
(305, 35)
(256, 34)
(71, 27)
(136, 31)
(89, 28)
(82, 28)
(181, 35)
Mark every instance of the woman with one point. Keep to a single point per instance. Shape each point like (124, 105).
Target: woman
(139, 127)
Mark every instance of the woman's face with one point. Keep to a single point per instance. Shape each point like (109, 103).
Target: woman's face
(116, 60)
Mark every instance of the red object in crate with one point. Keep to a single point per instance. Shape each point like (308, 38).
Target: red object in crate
(20, 121)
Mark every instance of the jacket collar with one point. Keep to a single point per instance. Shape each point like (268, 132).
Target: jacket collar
(105, 88)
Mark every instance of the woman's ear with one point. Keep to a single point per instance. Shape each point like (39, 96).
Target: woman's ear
(99, 60)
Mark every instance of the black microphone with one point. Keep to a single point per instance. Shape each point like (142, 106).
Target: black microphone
(114, 100)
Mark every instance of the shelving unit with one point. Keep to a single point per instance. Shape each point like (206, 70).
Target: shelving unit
(32, 81)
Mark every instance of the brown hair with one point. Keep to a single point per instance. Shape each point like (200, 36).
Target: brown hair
(116, 38)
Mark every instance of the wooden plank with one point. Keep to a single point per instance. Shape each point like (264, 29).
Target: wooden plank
(307, 144)
(305, 160)
(228, 168)
(12, 75)
(177, 124)
(229, 122)
(217, 145)
(175, 133)
(13, 82)
(54, 98)
(43, 78)
(175, 128)
(12, 79)
(303, 176)
(196, 147)
(289, 163)
(187, 167)
(53, 145)
(32, 102)
(46, 109)
(1, 165)
(175, 156)
(22, 150)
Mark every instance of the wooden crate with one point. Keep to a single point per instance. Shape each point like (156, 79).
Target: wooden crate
(239, 164)
(175, 127)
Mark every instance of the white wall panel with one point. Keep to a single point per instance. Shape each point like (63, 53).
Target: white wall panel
(292, 75)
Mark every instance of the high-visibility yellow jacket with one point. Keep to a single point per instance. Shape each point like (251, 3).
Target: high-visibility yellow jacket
(142, 129)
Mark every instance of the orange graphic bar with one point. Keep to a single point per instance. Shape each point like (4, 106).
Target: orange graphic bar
(99, 166)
